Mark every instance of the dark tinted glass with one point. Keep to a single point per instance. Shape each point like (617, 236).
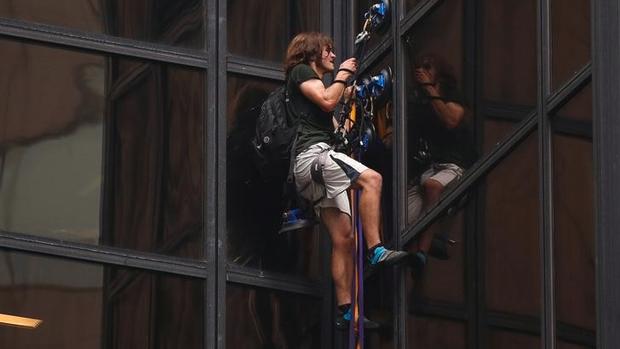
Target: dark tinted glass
(171, 22)
(442, 280)
(510, 254)
(255, 206)
(439, 143)
(258, 318)
(570, 38)
(578, 109)
(101, 150)
(574, 237)
(85, 305)
(508, 64)
(431, 332)
(566, 345)
(376, 36)
(262, 29)
(378, 155)
(499, 339)
(411, 4)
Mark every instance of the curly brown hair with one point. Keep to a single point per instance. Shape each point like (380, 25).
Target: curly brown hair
(305, 48)
(445, 73)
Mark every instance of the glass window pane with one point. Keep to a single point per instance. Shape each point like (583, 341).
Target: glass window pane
(178, 23)
(255, 207)
(96, 152)
(574, 235)
(509, 64)
(85, 305)
(440, 121)
(511, 252)
(442, 279)
(376, 37)
(259, 318)
(579, 108)
(378, 156)
(566, 345)
(570, 38)
(499, 339)
(262, 30)
(411, 4)
(431, 332)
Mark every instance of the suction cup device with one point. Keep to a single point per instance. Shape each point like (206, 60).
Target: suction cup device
(379, 15)
(379, 87)
(368, 136)
(376, 18)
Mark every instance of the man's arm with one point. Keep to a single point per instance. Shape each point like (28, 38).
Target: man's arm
(450, 113)
(327, 98)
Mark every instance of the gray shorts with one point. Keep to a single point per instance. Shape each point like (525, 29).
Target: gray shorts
(339, 172)
(442, 173)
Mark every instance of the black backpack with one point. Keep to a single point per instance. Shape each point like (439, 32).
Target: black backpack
(275, 138)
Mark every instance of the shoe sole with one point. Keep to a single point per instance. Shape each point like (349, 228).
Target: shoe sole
(371, 269)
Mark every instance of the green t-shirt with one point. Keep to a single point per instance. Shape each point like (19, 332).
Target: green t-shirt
(315, 124)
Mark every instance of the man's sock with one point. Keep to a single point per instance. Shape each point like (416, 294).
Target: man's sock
(375, 253)
(345, 310)
(422, 257)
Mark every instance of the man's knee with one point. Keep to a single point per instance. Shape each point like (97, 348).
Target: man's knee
(432, 187)
(343, 242)
(370, 179)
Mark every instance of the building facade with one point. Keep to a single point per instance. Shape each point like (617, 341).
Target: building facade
(131, 215)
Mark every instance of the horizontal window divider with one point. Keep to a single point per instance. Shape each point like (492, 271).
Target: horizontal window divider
(514, 322)
(505, 111)
(569, 89)
(569, 127)
(416, 15)
(100, 43)
(253, 67)
(473, 175)
(102, 254)
(274, 281)
(576, 335)
(440, 309)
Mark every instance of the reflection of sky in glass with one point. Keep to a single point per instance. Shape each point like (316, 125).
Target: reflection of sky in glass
(51, 142)
(52, 187)
(23, 269)
(177, 23)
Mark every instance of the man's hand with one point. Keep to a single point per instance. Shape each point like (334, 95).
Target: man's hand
(349, 64)
(423, 76)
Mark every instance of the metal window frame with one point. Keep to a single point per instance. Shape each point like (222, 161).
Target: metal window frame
(101, 43)
(602, 73)
(606, 84)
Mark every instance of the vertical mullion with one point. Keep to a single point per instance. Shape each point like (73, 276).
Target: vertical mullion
(399, 174)
(545, 180)
(215, 290)
(471, 49)
(606, 141)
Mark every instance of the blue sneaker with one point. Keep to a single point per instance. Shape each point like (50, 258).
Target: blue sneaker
(295, 219)
(382, 257)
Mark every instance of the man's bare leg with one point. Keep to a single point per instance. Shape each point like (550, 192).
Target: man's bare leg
(339, 226)
(432, 192)
(370, 182)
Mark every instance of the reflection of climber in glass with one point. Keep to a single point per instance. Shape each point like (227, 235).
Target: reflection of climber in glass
(440, 145)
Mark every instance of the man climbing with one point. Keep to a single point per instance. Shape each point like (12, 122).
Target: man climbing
(323, 175)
